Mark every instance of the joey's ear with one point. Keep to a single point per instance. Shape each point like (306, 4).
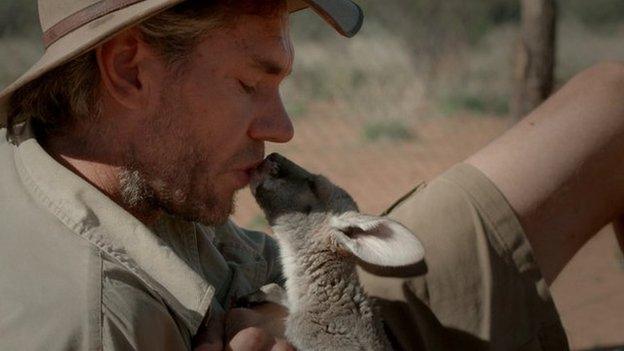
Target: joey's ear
(378, 241)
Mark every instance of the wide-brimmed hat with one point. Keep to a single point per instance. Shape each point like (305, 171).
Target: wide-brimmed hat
(71, 28)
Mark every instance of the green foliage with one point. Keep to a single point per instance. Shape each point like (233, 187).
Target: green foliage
(458, 52)
(462, 100)
(504, 11)
(19, 18)
(16, 55)
(595, 13)
(437, 21)
(388, 130)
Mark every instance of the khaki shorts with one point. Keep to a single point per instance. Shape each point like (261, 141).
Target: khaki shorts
(480, 287)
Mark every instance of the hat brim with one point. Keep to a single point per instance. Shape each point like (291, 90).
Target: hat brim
(344, 15)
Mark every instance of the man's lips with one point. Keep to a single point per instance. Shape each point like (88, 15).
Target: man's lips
(250, 170)
(243, 175)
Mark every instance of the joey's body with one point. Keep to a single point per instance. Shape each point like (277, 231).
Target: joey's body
(327, 304)
(320, 232)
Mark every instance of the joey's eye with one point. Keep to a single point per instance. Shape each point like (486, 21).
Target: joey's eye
(312, 185)
(279, 172)
(248, 89)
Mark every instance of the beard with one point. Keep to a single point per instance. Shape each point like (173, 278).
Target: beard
(165, 172)
(143, 192)
(173, 167)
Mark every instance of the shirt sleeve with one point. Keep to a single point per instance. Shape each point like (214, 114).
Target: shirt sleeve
(269, 250)
(250, 244)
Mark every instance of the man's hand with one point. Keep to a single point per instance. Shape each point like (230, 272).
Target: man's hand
(257, 329)
(257, 339)
(210, 335)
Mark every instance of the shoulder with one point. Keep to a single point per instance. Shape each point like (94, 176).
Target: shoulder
(46, 276)
(57, 289)
(37, 285)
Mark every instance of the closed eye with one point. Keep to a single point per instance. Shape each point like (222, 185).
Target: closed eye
(248, 89)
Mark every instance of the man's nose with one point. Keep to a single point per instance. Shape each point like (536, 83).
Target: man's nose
(273, 124)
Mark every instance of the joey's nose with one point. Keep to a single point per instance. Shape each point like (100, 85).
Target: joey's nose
(274, 157)
(270, 167)
(279, 165)
(283, 167)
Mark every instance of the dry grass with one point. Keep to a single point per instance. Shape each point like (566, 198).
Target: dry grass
(579, 47)
(370, 78)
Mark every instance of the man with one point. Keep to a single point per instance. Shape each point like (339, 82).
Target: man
(127, 142)
(126, 149)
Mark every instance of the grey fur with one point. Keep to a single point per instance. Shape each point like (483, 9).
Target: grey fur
(315, 223)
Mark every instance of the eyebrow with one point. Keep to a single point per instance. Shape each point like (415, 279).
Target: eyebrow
(269, 66)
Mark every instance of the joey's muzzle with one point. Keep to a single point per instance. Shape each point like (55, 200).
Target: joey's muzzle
(281, 186)
(276, 166)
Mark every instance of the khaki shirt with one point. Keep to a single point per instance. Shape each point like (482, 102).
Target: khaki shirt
(79, 272)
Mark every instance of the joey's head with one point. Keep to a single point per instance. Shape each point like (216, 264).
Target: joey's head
(287, 192)
(306, 210)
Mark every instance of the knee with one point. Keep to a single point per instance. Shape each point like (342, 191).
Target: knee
(607, 75)
(601, 86)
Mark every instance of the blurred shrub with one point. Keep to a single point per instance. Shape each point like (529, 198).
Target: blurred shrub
(20, 43)
(433, 29)
(372, 77)
(388, 130)
(19, 18)
(504, 11)
(595, 13)
(465, 100)
(411, 54)
(580, 46)
(16, 55)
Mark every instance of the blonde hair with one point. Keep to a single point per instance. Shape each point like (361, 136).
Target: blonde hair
(70, 93)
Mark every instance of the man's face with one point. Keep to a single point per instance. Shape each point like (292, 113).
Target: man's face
(206, 134)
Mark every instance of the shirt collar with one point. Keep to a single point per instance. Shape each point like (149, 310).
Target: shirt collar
(106, 225)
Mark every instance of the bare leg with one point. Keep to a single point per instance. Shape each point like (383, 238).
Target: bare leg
(562, 167)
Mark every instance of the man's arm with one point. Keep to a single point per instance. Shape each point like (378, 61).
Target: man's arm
(562, 167)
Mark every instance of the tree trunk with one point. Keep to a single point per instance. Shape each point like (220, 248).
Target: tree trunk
(535, 57)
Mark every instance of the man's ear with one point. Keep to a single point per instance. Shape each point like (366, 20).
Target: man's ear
(122, 62)
(378, 241)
